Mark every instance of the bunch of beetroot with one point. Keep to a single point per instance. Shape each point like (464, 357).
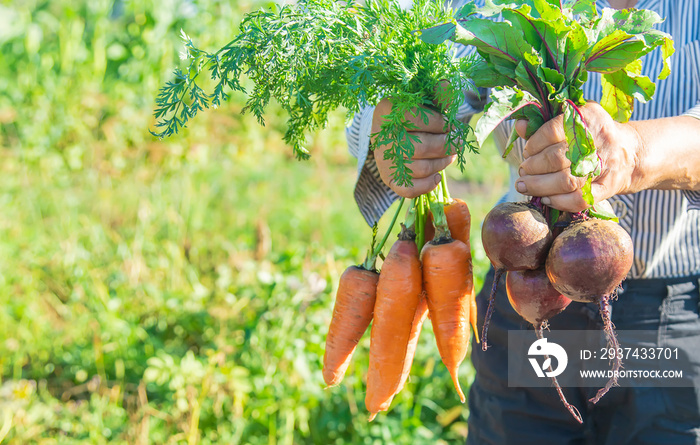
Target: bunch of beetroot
(586, 262)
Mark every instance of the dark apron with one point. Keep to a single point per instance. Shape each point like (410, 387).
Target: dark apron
(500, 415)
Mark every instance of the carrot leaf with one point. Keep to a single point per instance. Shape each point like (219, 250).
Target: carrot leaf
(315, 56)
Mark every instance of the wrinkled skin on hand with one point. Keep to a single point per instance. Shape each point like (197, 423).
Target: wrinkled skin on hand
(429, 156)
(546, 172)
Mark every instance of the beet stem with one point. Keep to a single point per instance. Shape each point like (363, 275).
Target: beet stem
(604, 309)
(489, 311)
(572, 409)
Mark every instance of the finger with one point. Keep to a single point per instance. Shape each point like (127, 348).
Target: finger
(550, 133)
(428, 146)
(441, 99)
(567, 202)
(431, 146)
(521, 127)
(549, 184)
(421, 118)
(420, 186)
(422, 168)
(574, 202)
(550, 160)
(426, 120)
(600, 190)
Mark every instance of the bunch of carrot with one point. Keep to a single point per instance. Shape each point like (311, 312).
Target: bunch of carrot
(417, 279)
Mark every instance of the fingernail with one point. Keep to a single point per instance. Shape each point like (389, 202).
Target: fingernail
(521, 172)
(521, 187)
(546, 201)
(438, 178)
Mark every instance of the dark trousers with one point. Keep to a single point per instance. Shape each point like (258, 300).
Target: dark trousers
(500, 415)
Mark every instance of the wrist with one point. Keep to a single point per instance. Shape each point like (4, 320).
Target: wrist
(637, 155)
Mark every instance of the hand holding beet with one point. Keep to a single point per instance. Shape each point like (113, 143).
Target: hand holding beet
(546, 169)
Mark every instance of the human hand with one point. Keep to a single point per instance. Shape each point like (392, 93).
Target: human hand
(546, 172)
(428, 158)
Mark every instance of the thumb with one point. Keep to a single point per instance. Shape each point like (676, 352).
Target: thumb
(521, 127)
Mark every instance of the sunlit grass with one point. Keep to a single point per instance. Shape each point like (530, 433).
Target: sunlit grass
(179, 291)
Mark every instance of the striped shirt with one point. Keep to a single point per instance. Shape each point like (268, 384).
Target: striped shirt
(664, 224)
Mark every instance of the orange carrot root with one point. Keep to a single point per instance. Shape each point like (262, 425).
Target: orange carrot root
(418, 319)
(459, 221)
(399, 293)
(472, 315)
(448, 282)
(352, 313)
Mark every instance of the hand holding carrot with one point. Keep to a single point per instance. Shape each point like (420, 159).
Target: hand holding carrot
(429, 156)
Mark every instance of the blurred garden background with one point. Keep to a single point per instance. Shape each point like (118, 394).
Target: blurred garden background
(179, 291)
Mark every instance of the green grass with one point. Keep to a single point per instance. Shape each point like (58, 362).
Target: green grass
(180, 291)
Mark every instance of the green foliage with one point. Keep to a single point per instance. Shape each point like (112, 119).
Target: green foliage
(178, 291)
(319, 55)
(153, 297)
(582, 154)
(547, 68)
(72, 72)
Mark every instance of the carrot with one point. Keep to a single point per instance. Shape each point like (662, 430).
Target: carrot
(398, 295)
(354, 306)
(447, 279)
(418, 319)
(472, 314)
(352, 313)
(458, 220)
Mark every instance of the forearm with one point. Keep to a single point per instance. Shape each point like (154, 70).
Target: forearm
(668, 156)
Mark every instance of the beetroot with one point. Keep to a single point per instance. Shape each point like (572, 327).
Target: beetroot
(587, 263)
(590, 259)
(515, 236)
(533, 297)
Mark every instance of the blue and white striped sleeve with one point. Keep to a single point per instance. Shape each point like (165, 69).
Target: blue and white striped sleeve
(694, 112)
(693, 196)
(372, 196)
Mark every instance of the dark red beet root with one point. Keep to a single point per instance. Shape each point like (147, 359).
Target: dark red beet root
(587, 263)
(589, 259)
(572, 409)
(533, 296)
(604, 309)
(515, 237)
(489, 310)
